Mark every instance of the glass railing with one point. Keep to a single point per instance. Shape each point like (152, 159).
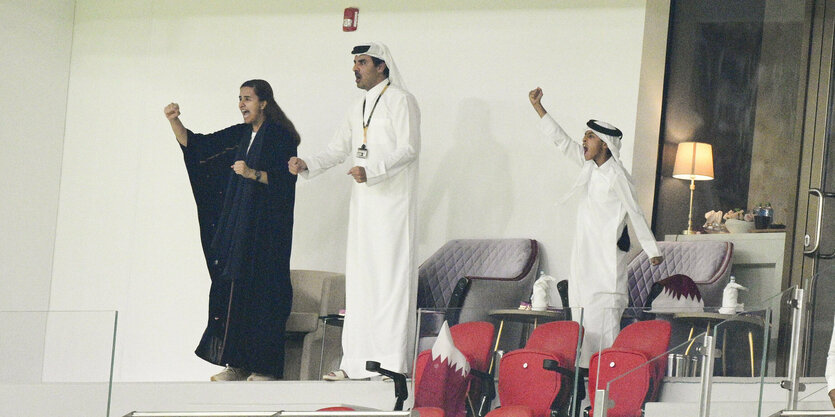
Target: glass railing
(56, 362)
(801, 388)
(512, 349)
(815, 396)
(752, 330)
(779, 328)
(48, 354)
(683, 360)
(637, 352)
(329, 413)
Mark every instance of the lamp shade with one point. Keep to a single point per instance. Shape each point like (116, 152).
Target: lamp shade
(694, 161)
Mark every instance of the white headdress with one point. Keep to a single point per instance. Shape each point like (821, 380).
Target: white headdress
(381, 51)
(608, 134)
(612, 137)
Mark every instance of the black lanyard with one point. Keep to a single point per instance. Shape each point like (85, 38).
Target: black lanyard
(364, 123)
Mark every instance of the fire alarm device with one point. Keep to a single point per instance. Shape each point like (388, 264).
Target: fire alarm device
(349, 20)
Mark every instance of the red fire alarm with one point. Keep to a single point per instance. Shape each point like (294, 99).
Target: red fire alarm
(349, 21)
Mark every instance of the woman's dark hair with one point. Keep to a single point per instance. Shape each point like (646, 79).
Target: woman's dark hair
(272, 111)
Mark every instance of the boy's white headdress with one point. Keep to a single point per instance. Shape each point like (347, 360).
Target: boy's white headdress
(609, 134)
(612, 137)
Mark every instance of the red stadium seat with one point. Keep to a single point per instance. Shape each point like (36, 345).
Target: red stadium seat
(474, 340)
(636, 344)
(512, 411)
(525, 384)
(430, 412)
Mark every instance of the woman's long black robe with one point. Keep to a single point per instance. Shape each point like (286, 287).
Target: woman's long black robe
(246, 229)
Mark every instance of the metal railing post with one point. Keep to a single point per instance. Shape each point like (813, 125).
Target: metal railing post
(708, 356)
(601, 403)
(798, 305)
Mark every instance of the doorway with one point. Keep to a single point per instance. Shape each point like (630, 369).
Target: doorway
(813, 257)
(752, 78)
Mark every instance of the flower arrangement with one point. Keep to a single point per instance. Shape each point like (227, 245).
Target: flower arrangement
(738, 214)
(721, 222)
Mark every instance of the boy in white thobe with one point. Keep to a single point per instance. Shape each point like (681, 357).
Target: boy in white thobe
(382, 136)
(598, 268)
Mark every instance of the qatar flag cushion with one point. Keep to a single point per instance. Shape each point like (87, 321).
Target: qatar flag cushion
(445, 378)
(675, 294)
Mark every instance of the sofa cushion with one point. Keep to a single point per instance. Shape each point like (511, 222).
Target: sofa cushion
(302, 322)
(307, 288)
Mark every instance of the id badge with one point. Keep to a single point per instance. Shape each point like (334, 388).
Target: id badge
(362, 152)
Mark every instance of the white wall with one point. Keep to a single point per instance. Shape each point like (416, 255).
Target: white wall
(650, 94)
(35, 43)
(127, 234)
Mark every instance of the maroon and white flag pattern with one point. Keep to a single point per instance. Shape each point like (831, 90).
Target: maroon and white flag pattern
(445, 378)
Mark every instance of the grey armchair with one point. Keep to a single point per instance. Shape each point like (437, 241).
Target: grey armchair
(315, 294)
(708, 263)
(499, 274)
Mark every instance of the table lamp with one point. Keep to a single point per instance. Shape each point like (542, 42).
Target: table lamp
(694, 162)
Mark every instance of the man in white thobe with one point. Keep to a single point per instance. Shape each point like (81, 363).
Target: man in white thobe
(381, 136)
(598, 281)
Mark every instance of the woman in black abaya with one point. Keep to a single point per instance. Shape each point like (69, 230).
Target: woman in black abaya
(245, 198)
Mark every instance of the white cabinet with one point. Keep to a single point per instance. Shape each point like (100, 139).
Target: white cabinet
(757, 263)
